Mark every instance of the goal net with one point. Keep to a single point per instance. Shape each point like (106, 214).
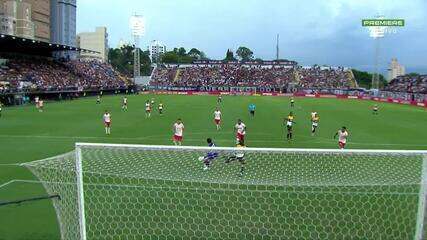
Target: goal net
(110, 191)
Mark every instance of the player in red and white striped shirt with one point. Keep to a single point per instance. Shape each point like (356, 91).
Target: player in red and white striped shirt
(107, 122)
(217, 119)
(240, 128)
(342, 137)
(178, 132)
(147, 109)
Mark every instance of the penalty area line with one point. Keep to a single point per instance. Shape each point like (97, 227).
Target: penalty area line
(18, 181)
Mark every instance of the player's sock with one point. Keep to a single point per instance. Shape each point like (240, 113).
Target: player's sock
(230, 159)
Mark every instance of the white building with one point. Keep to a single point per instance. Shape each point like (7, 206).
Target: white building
(156, 49)
(96, 41)
(395, 69)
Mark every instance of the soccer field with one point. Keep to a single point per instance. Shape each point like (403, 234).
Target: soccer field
(28, 135)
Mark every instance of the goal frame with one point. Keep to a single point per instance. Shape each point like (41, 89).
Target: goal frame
(422, 197)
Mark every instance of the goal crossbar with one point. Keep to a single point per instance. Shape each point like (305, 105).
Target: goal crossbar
(251, 149)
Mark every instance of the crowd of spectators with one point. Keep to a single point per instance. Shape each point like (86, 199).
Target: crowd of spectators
(327, 78)
(223, 75)
(163, 76)
(47, 75)
(251, 76)
(409, 83)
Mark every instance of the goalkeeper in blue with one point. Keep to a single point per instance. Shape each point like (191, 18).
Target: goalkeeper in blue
(210, 156)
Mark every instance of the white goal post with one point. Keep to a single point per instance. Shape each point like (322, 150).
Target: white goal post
(125, 191)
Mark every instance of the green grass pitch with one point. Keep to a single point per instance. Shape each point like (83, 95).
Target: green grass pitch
(27, 135)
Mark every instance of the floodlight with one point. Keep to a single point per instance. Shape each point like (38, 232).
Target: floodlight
(137, 25)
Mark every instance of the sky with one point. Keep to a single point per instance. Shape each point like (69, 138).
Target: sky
(311, 31)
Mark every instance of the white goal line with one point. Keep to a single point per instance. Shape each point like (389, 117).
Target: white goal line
(304, 150)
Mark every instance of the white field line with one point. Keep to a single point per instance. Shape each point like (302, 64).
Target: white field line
(18, 181)
(10, 164)
(7, 183)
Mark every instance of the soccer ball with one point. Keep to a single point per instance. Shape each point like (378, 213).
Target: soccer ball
(201, 158)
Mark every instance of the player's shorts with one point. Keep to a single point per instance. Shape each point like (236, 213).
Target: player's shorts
(148, 110)
(341, 144)
(252, 112)
(217, 121)
(289, 128)
(107, 124)
(315, 124)
(177, 138)
(125, 104)
(240, 137)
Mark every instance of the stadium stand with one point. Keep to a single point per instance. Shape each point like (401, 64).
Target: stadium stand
(236, 75)
(318, 78)
(409, 83)
(41, 74)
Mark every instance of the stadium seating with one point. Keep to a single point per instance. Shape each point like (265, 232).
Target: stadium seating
(409, 83)
(47, 75)
(222, 75)
(250, 76)
(326, 78)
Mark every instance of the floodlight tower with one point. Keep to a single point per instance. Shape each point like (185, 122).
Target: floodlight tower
(377, 32)
(277, 47)
(137, 26)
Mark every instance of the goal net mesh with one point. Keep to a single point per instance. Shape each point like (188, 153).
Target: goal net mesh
(163, 193)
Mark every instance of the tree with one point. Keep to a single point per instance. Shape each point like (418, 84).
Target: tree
(195, 53)
(122, 60)
(244, 53)
(364, 79)
(229, 56)
(176, 56)
(170, 57)
(412, 74)
(182, 52)
(180, 55)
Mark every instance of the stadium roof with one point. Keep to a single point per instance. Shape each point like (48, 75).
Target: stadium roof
(14, 44)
